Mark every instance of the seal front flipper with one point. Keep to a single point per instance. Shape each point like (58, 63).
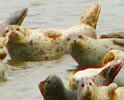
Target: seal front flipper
(15, 63)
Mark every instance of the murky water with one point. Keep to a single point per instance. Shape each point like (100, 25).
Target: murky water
(23, 83)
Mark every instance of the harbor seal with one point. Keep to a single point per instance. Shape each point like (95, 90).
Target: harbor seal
(53, 89)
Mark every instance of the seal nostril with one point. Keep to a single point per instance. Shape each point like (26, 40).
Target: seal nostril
(88, 88)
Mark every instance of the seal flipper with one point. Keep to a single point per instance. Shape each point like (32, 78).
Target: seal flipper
(91, 17)
(119, 42)
(107, 75)
(119, 35)
(18, 64)
(16, 19)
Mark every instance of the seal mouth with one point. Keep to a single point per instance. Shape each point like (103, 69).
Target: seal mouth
(2, 56)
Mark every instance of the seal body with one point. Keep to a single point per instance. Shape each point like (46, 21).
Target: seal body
(90, 52)
(116, 55)
(34, 45)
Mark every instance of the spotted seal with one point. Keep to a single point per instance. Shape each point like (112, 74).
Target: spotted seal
(87, 51)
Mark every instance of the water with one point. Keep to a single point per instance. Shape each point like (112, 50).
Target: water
(23, 83)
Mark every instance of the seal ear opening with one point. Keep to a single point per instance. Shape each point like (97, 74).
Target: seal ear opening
(108, 58)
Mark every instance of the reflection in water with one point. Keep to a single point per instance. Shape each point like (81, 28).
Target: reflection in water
(60, 14)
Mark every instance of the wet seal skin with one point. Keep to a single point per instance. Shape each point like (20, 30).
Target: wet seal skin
(53, 88)
(88, 90)
(47, 44)
(100, 76)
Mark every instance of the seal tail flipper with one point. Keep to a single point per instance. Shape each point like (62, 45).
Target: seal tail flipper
(16, 19)
(107, 75)
(91, 17)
